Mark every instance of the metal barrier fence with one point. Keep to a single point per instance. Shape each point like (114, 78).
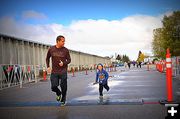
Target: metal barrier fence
(72, 67)
(17, 75)
(161, 66)
(13, 75)
(176, 66)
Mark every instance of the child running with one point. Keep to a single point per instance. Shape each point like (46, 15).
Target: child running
(102, 77)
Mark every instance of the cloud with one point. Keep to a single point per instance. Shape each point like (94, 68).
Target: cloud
(31, 14)
(101, 37)
(125, 36)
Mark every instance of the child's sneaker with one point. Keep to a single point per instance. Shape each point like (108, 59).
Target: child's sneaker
(100, 99)
(101, 96)
(58, 98)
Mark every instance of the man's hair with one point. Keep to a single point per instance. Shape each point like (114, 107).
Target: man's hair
(59, 38)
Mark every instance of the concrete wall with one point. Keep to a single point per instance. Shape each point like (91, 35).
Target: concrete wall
(24, 52)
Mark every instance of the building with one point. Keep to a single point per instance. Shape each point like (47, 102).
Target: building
(24, 52)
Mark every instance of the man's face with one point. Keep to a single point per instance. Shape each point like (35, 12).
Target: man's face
(61, 42)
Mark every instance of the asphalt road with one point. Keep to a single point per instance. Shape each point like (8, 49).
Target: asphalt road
(134, 93)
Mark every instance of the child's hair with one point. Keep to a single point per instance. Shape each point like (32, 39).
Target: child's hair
(99, 64)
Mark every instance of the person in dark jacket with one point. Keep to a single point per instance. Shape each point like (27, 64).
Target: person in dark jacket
(129, 64)
(102, 78)
(60, 59)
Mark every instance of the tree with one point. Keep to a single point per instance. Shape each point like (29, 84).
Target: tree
(171, 32)
(125, 58)
(141, 57)
(119, 58)
(168, 36)
(157, 43)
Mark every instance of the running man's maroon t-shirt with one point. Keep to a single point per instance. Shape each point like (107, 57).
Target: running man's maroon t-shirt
(58, 55)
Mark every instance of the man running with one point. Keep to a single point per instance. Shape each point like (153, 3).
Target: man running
(60, 60)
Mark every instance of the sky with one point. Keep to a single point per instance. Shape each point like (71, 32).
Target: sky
(100, 27)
